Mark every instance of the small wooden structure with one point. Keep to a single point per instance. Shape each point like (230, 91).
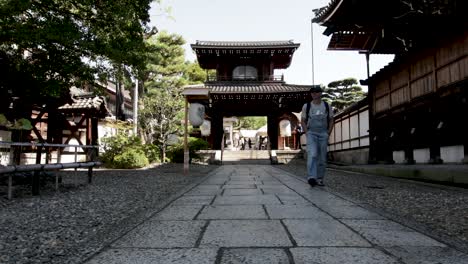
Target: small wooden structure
(418, 104)
(53, 129)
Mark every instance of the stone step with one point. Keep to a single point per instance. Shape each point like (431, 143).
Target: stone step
(245, 155)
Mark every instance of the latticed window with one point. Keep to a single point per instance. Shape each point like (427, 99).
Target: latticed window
(244, 73)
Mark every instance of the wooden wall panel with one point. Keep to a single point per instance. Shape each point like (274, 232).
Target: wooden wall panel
(422, 86)
(443, 76)
(451, 52)
(422, 67)
(400, 79)
(382, 88)
(382, 104)
(464, 67)
(400, 96)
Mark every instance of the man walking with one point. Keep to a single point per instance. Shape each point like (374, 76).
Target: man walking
(317, 122)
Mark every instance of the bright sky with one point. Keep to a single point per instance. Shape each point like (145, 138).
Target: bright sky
(252, 20)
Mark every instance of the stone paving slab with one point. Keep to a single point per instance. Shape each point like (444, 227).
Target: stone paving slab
(388, 234)
(247, 199)
(323, 233)
(163, 234)
(350, 212)
(340, 255)
(296, 212)
(254, 256)
(233, 212)
(277, 190)
(194, 199)
(160, 256)
(230, 192)
(175, 212)
(245, 233)
(215, 181)
(240, 186)
(292, 199)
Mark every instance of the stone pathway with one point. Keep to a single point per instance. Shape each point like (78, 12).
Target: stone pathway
(260, 214)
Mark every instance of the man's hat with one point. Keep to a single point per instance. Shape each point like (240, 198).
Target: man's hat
(316, 89)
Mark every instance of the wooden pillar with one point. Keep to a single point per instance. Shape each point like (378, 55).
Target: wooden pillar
(272, 127)
(434, 139)
(217, 130)
(186, 149)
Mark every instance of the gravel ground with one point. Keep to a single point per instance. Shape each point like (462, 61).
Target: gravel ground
(436, 210)
(70, 225)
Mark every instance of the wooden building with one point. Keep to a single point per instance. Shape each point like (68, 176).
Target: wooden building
(418, 109)
(245, 84)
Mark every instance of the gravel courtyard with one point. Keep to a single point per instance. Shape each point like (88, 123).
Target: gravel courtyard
(70, 225)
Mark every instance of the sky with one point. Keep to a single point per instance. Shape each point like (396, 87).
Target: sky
(266, 20)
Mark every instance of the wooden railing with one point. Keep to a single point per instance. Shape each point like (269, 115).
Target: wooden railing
(276, 78)
(15, 148)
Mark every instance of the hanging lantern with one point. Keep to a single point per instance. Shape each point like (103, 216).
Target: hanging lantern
(196, 114)
(172, 139)
(205, 128)
(285, 128)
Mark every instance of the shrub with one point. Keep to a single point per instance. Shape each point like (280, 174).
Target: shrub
(130, 159)
(176, 154)
(126, 152)
(152, 153)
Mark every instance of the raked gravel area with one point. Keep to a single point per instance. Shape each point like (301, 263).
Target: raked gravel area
(70, 225)
(436, 210)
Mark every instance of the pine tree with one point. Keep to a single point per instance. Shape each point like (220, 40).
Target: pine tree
(343, 93)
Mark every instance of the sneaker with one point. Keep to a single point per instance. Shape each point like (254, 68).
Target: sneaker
(312, 182)
(320, 182)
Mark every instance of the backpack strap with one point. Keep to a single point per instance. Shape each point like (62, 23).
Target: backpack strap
(307, 113)
(327, 108)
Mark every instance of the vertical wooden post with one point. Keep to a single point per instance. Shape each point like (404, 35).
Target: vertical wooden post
(186, 150)
(36, 179)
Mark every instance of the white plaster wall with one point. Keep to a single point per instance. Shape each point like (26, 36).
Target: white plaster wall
(399, 156)
(354, 126)
(452, 154)
(355, 143)
(338, 132)
(364, 141)
(421, 155)
(364, 123)
(345, 129)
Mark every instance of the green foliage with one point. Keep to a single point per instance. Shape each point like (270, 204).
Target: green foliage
(194, 74)
(124, 152)
(343, 93)
(176, 153)
(152, 152)
(162, 103)
(19, 124)
(130, 159)
(48, 46)
(251, 122)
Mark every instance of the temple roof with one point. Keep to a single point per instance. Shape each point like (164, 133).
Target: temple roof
(255, 97)
(245, 44)
(389, 26)
(211, 53)
(86, 104)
